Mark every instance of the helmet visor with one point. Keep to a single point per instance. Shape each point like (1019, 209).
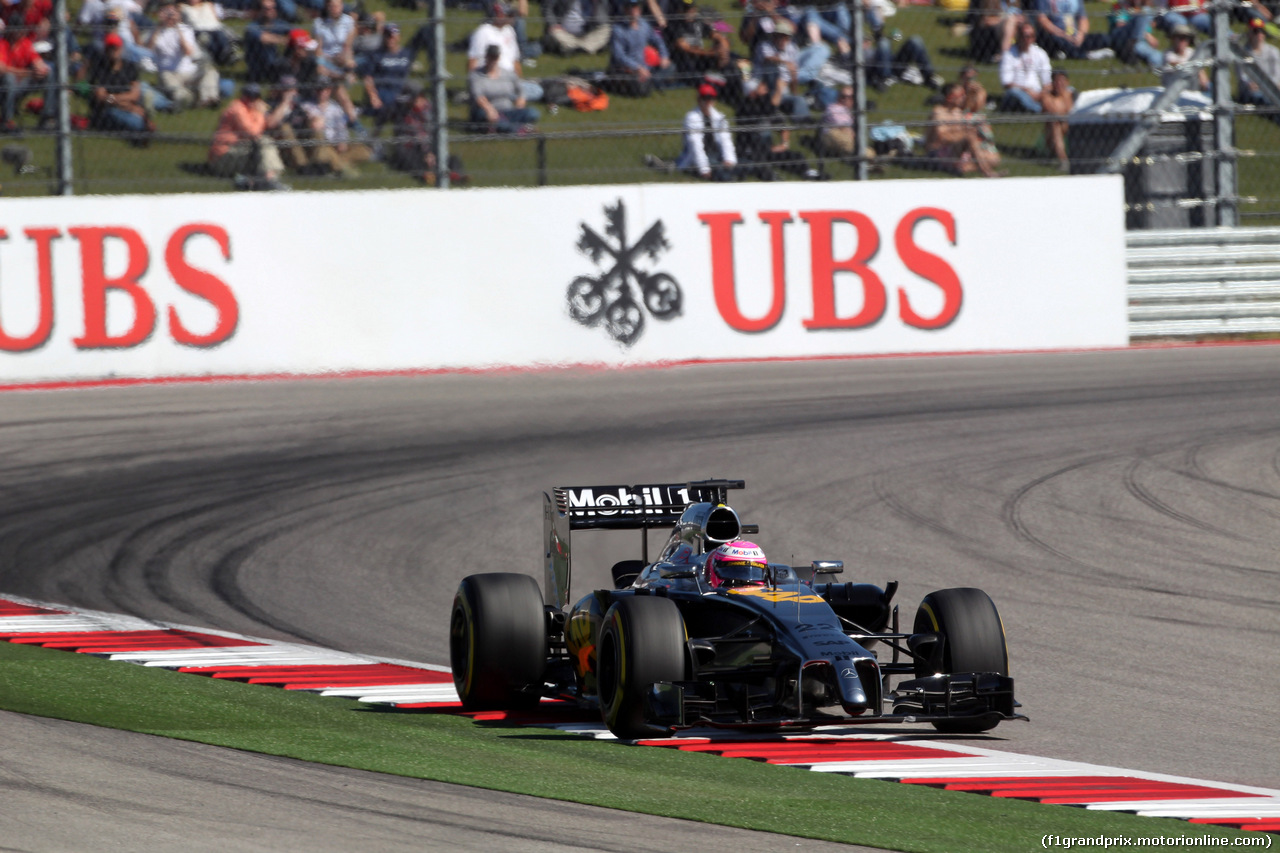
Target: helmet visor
(739, 571)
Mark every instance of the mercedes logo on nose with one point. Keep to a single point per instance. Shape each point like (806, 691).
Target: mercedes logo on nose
(848, 673)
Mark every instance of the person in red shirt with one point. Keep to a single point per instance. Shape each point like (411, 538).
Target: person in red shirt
(22, 72)
(30, 16)
(241, 146)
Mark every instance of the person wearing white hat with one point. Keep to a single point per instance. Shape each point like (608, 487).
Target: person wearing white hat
(785, 68)
(1182, 47)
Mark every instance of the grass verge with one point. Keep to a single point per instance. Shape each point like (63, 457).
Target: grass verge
(540, 762)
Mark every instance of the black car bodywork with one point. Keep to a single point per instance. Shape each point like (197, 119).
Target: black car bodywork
(666, 650)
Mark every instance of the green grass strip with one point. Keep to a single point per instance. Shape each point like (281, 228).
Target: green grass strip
(544, 763)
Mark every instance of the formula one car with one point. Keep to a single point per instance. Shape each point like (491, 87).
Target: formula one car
(675, 644)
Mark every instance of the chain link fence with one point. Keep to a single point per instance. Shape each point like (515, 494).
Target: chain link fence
(1185, 95)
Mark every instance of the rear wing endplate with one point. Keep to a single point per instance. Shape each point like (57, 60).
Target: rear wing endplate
(640, 507)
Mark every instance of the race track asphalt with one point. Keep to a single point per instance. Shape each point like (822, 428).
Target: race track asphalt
(1121, 508)
(71, 787)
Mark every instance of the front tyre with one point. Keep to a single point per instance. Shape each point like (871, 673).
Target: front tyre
(973, 641)
(642, 641)
(498, 641)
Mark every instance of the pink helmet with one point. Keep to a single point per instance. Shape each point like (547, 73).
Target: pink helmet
(738, 563)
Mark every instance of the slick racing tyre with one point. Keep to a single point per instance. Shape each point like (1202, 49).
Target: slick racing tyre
(642, 640)
(498, 641)
(973, 641)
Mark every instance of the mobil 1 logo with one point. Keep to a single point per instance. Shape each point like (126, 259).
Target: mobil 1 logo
(607, 501)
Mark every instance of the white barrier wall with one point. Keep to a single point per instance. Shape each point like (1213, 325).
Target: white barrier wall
(255, 283)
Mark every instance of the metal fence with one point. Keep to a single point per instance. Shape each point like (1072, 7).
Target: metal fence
(1189, 158)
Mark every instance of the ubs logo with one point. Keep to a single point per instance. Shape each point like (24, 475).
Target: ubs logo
(621, 293)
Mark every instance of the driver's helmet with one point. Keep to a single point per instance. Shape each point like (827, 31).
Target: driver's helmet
(738, 563)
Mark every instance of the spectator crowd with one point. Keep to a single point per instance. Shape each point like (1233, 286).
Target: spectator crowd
(320, 81)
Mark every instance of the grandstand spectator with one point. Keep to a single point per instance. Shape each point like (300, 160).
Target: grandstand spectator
(414, 148)
(1182, 46)
(975, 106)
(292, 126)
(186, 75)
(314, 72)
(520, 21)
(752, 30)
(22, 72)
(75, 57)
(911, 63)
(992, 26)
(630, 70)
(576, 26)
(369, 39)
(424, 41)
(497, 99)
(205, 19)
(265, 41)
(1249, 11)
(115, 95)
(1024, 72)
(695, 45)
(1189, 13)
(498, 32)
(975, 94)
(831, 23)
(385, 74)
(301, 63)
(1130, 34)
(756, 118)
(708, 149)
(125, 19)
(1063, 31)
(953, 139)
(1057, 100)
(1266, 58)
(835, 137)
(336, 151)
(786, 69)
(653, 11)
(335, 32)
(242, 147)
(764, 139)
(33, 17)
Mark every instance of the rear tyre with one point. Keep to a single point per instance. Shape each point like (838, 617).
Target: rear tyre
(973, 641)
(642, 640)
(498, 641)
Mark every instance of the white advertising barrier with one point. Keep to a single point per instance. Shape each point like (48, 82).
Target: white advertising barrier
(401, 280)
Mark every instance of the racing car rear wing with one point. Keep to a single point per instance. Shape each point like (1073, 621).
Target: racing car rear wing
(642, 507)
(636, 507)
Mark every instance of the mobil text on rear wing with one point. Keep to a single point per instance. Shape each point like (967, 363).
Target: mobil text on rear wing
(636, 507)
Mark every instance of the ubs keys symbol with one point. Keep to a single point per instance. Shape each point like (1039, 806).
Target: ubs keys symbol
(611, 297)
